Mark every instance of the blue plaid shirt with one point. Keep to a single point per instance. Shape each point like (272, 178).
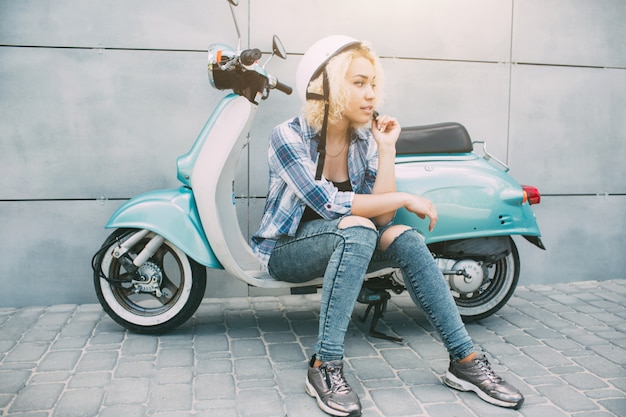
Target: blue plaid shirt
(292, 162)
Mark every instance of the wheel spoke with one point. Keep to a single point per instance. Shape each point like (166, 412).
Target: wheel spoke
(169, 289)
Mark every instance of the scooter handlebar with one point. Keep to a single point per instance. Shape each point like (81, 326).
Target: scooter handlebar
(283, 87)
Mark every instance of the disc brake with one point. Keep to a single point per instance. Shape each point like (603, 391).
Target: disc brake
(149, 279)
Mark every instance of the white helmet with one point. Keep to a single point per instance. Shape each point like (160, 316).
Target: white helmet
(316, 57)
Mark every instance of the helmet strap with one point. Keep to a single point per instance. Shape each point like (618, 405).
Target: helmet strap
(321, 145)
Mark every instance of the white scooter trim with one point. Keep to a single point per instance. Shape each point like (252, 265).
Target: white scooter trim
(212, 181)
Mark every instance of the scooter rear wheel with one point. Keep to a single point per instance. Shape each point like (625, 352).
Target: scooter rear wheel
(500, 281)
(164, 294)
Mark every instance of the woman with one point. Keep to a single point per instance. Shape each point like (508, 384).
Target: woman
(332, 197)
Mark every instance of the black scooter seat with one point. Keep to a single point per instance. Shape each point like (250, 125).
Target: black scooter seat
(447, 137)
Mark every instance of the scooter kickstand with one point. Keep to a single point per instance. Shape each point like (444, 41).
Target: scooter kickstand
(378, 301)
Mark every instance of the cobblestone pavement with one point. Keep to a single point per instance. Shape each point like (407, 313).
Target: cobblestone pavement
(562, 345)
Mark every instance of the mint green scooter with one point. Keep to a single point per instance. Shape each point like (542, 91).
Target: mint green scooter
(150, 274)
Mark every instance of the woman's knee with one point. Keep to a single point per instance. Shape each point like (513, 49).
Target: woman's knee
(391, 234)
(352, 221)
(359, 231)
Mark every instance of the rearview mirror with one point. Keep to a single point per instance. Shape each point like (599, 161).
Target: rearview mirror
(277, 48)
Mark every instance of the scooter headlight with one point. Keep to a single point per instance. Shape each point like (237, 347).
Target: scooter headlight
(220, 74)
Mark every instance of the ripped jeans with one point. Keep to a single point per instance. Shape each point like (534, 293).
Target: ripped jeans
(343, 256)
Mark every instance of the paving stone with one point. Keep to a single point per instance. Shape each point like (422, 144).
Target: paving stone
(615, 405)
(584, 381)
(47, 377)
(79, 403)
(600, 366)
(286, 352)
(59, 361)
(140, 345)
(64, 343)
(303, 406)
(291, 381)
(253, 368)
(213, 366)
(97, 361)
(433, 393)
(279, 337)
(172, 397)
(248, 347)
(27, 352)
(90, 380)
(39, 335)
(371, 368)
(211, 343)
(455, 409)
(171, 358)
(546, 356)
(12, 381)
(395, 402)
(273, 323)
(36, 397)
(260, 403)
(611, 352)
(567, 398)
(130, 410)
(54, 318)
(402, 359)
(174, 375)
(214, 387)
(522, 340)
(135, 370)
(128, 391)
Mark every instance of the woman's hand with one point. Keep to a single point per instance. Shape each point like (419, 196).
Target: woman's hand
(386, 131)
(423, 208)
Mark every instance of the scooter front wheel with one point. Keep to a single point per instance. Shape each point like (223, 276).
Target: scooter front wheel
(160, 296)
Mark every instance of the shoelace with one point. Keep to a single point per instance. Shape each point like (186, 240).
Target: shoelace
(336, 380)
(485, 366)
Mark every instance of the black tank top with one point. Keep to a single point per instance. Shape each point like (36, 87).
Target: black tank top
(310, 214)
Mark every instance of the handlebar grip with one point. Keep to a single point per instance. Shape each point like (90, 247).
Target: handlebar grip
(283, 87)
(250, 56)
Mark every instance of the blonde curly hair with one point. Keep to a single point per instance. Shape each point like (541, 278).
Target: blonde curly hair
(336, 68)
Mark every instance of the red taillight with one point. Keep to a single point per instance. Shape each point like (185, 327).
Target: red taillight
(531, 194)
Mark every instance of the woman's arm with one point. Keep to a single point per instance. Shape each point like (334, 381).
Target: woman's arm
(382, 204)
(385, 130)
(377, 206)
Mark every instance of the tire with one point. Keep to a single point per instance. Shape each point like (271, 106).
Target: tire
(181, 280)
(498, 287)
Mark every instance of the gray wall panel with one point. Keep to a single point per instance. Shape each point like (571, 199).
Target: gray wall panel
(584, 237)
(568, 128)
(570, 32)
(138, 24)
(47, 248)
(446, 29)
(119, 118)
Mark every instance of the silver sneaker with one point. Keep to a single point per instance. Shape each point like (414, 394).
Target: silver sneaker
(329, 386)
(477, 376)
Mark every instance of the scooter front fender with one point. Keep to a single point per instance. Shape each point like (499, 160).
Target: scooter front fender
(171, 214)
(473, 197)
